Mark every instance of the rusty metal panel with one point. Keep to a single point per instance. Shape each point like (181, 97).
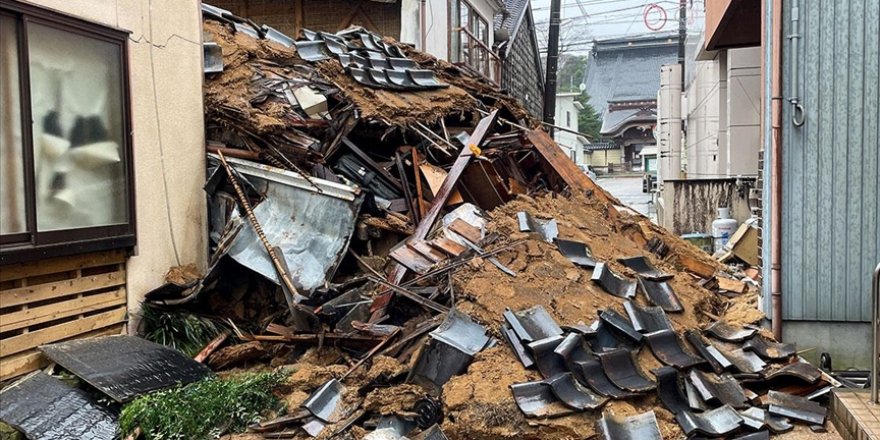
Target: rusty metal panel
(43, 407)
(124, 367)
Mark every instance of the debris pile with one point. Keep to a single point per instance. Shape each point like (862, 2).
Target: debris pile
(396, 233)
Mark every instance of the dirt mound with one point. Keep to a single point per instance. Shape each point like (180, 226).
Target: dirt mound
(479, 404)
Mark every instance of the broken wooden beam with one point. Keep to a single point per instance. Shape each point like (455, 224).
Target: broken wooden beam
(574, 177)
(421, 232)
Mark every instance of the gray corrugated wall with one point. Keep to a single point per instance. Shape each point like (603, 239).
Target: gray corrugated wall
(831, 201)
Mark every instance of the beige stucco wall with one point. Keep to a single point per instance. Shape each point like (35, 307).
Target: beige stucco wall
(724, 115)
(743, 111)
(705, 136)
(165, 64)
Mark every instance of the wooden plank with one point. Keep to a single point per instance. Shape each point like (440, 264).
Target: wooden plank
(62, 309)
(25, 362)
(435, 176)
(731, 285)
(41, 292)
(466, 230)
(695, 266)
(63, 264)
(576, 179)
(16, 365)
(20, 343)
(424, 227)
(297, 18)
(426, 250)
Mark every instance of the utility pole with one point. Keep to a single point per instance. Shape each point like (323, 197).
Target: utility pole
(552, 62)
(682, 35)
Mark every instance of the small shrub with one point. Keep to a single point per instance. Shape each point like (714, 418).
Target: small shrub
(205, 409)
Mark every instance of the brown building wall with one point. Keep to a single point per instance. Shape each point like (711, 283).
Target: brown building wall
(319, 15)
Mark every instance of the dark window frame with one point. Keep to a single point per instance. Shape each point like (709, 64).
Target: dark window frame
(33, 244)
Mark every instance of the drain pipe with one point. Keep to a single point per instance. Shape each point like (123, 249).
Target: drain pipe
(774, 25)
(423, 33)
(875, 316)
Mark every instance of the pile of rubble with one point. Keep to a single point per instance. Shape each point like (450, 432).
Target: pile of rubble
(396, 231)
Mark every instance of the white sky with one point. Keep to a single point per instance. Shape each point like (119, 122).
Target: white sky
(605, 19)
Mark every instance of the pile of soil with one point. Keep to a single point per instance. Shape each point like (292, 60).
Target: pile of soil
(479, 404)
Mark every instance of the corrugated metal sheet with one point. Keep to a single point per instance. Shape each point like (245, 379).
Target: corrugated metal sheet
(831, 201)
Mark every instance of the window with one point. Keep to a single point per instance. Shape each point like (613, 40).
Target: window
(469, 39)
(568, 119)
(66, 177)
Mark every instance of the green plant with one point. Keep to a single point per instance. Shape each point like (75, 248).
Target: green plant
(205, 409)
(182, 330)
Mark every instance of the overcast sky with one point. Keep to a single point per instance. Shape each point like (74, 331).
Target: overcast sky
(605, 19)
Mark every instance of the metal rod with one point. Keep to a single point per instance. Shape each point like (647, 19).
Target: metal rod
(875, 320)
(441, 138)
(370, 353)
(553, 126)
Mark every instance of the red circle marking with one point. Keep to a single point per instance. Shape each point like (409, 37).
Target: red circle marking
(660, 23)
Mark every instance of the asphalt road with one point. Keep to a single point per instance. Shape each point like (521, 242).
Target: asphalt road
(629, 191)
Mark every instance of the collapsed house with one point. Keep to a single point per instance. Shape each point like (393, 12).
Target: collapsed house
(430, 265)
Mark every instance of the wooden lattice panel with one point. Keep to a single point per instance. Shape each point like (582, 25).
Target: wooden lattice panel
(58, 299)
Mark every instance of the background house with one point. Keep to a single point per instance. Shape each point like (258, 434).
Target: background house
(566, 116)
(622, 81)
(96, 196)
